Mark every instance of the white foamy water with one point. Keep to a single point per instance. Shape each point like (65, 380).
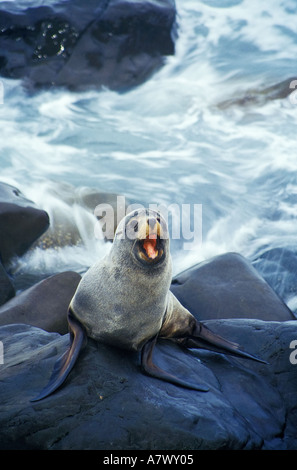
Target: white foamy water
(169, 141)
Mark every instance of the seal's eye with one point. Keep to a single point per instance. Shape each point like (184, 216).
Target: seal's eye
(132, 229)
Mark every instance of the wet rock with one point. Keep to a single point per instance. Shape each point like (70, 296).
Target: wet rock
(107, 403)
(73, 216)
(228, 286)
(76, 44)
(261, 96)
(44, 305)
(7, 290)
(21, 223)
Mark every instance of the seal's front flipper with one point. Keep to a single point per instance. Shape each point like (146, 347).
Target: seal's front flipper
(199, 336)
(151, 369)
(66, 362)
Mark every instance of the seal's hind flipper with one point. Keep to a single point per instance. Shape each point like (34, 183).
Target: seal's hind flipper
(66, 362)
(199, 336)
(151, 369)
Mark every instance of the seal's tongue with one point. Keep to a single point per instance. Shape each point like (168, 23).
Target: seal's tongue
(150, 245)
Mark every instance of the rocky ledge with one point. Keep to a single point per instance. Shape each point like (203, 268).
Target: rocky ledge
(113, 43)
(107, 403)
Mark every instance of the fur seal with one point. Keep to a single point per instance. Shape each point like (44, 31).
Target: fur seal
(124, 300)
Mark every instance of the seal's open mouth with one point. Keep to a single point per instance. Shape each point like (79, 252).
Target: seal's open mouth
(150, 249)
(149, 245)
(150, 238)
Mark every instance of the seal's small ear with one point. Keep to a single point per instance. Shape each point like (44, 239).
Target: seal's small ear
(65, 363)
(151, 369)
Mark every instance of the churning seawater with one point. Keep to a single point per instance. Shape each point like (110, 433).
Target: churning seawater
(171, 140)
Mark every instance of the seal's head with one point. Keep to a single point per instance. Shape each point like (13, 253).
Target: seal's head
(147, 234)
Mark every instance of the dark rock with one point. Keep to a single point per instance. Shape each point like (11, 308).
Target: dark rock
(76, 44)
(7, 290)
(21, 223)
(228, 286)
(107, 403)
(44, 305)
(261, 96)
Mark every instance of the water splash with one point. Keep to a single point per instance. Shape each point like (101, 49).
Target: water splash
(169, 141)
